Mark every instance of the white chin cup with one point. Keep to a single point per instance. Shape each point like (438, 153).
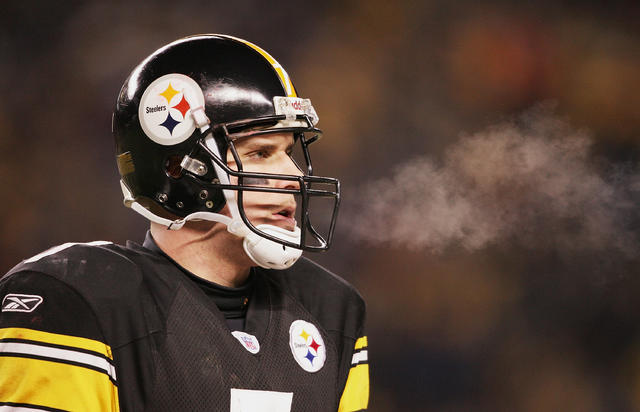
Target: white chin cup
(269, 254)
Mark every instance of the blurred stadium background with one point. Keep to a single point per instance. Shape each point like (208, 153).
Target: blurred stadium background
(499, 328)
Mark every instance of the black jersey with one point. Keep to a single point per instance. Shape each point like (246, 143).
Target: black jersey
(102, 327)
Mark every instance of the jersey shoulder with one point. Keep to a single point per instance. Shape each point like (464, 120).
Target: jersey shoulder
(101, 277)
(327, 296)
(95, 269)
(71, 261)
(49, 327)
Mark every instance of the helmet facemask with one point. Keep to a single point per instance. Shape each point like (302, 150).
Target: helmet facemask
(312, 195)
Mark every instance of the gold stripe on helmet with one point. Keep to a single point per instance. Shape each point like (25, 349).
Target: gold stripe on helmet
(282, 73)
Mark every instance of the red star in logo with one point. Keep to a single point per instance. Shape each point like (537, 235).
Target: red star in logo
(314, 345)
(182, 107)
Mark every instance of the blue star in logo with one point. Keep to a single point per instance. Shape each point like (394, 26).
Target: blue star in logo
(170, 123)
(310, 356)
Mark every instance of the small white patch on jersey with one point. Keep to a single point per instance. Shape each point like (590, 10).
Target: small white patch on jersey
(15, 302)
(64, 246)
(307, 346)
(249, 342)
(247, 400)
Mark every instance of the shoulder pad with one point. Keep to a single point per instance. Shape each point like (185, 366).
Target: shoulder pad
(98, 270)
(72, 257)
(331, 299)
(108, 277)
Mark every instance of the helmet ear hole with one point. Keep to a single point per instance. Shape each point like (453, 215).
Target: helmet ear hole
(172, 166)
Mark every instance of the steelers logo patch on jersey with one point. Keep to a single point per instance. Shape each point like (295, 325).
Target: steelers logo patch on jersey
(166, 108)
(307, 346)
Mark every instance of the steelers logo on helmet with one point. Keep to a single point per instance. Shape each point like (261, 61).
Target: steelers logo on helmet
(165, 110)
(307, 346)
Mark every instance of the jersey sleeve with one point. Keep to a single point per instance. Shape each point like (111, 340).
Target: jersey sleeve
(355, 396)
(53, 355)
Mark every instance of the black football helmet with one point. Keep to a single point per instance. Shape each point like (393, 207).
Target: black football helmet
(176, 120)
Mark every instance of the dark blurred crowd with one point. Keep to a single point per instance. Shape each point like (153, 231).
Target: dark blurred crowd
(504, 327)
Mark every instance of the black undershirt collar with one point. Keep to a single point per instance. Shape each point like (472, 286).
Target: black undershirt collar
(232, 302)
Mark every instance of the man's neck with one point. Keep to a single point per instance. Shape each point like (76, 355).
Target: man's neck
(206, 250)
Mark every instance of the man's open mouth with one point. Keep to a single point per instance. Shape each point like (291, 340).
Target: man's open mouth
(286, 218)
(285, 213)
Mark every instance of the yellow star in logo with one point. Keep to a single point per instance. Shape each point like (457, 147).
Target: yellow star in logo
(169, 93)
(304, 335)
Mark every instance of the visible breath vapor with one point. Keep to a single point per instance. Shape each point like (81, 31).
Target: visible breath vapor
(532, 181)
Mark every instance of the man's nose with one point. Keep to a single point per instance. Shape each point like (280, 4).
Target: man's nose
(289, 167)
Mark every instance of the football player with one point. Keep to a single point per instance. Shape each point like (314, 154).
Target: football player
(216, 310)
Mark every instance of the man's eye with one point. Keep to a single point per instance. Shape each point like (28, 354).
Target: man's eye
(258, 154)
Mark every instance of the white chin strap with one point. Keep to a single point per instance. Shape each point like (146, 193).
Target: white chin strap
(264, 252)
(270, 254)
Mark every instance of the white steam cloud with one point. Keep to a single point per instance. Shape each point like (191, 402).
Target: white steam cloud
(532, 181)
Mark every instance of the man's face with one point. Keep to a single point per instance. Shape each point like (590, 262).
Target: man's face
(270, 153)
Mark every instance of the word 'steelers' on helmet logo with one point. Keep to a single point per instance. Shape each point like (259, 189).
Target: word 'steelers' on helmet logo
(165, 108)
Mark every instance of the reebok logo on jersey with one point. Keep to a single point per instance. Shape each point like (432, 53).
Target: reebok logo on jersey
(14, 302)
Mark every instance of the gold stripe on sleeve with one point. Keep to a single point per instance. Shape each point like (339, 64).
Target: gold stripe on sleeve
(55, 385)
(56, 339)
(356, 392)
(355, 396)
(361, 343)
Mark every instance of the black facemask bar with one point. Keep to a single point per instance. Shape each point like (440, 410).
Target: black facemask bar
(307, 184)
